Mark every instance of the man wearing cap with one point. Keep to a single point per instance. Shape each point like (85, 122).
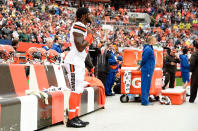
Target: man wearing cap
(170, 66)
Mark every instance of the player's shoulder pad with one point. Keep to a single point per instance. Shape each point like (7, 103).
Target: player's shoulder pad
(79, 26)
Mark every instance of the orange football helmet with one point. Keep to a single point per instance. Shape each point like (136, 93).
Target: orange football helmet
(32, 54)
(9, 52)
(44, 53)
(53, 56)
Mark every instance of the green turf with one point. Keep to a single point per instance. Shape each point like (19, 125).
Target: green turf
(178, 81)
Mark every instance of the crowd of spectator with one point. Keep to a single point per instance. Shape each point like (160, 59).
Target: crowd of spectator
(35, 23)
(163, 13)
(174, 22)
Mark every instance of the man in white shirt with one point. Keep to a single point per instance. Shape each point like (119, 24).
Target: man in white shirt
(49, 44)
(80, 38)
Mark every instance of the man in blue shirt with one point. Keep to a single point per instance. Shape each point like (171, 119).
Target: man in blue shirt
(185, 67)
(113, 68)
(147, 68)
(57, 46)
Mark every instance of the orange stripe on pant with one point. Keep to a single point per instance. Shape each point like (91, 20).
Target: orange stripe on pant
(73, 103)
(71, 68)
(78, 105)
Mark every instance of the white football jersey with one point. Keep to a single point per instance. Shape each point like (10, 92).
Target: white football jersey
(74, 56)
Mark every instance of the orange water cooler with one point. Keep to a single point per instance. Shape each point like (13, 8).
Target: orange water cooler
(131, 78)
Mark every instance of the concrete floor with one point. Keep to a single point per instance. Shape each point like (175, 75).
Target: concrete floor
(132, 116)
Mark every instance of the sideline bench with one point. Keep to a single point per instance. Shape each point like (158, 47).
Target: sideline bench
(23, 112)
